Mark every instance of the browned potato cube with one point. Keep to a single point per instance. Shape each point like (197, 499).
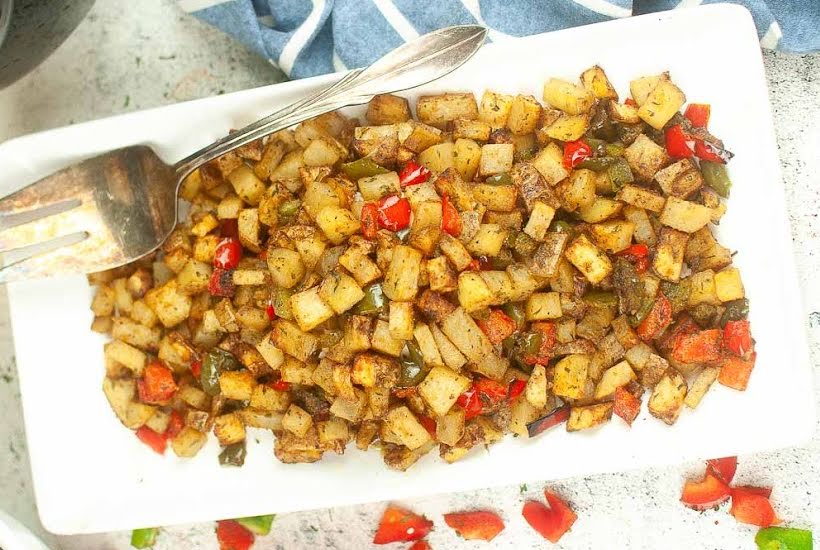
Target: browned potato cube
(387, 109)
(495, 108)
(645, 158)
(668, 396)
(297, 421)
(471, 129)
(438, 110)
(237, 385)
(229, 429)
(524, 114)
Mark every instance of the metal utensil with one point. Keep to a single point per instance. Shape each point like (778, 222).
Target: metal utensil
(117, 207)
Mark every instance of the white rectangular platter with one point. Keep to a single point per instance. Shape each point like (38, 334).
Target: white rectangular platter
(91, 474)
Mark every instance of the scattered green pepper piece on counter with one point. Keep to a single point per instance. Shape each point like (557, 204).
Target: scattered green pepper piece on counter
(783, 538)
(258, 525)
(362, 168)
(216, 361)
(412, 365)
(373, 301)
(716, 177)
(233, 455)
(144, 538)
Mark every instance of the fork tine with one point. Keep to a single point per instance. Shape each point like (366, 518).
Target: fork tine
(75, 253)
(45, 227)
(57, 188)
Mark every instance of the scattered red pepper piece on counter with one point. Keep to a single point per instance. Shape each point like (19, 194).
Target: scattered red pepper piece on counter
(400, 525)
(724, 468)
(575, 152)
(227, 254)
(658, 318)
(413, 173)
(698, 114)
(450, 220)
(497, 326)
(735, 372)
(421, 545)
(394, 212)
(551, 523)
(232, 536)
(706, 493)
(156, 441)
(478, 525)
(157, 384)
(370, 220)
(737, 337)
(750, 505)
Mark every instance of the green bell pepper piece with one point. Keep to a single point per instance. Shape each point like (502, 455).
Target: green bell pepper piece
(601, 298)
(144, 538)
(499, 179)
(281, 303)
(216, 361)
(598, 146)
(628, 133)
(373, 302)
(716, 177)
(526, 345)
(362, 168)
(646, 307)
(677, 294)
(704, 314)
(561, 226)
(784, 538)
(515, 311)
(598, 164)
(614, 149)
(735, 311)
(620, 173)
(412, 365)
(258, 525)
(289, 208)
(524, 245)
(233, 455)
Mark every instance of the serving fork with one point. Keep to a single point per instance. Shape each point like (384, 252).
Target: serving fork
(117, 207)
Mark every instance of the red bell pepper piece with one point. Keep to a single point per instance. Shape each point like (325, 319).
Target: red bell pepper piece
(724, 468)
(428, 423)
(479, 525)
(421, 545)
(762, 491)
(737, 337)
(493, 391)
(370, 220)
(516, 388)
(450, 220)
(394, 212)
(707, 151)
(658, 318)
(575, 152)
(157, 384)
(685, 326)
(413, 174)
(221, 283)
(280, 385)
(271, 312)
(699, 347)
(471, 403)
(679, 145)
(196, 368)
(735, 372)
(626, 405)
(752, 507)
(229, 228)
(631, 102)
(706, 493)
(400, 525)
(155, 440)
(175, 425)
(233, 536)
(497, 326)
(483, 390)
(637, 254)
(404, 393)
(556, 416)
(547, 330)
(227, 254)
(551, 523)
(698, 114)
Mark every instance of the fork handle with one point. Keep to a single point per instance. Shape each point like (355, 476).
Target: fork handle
(328, 99)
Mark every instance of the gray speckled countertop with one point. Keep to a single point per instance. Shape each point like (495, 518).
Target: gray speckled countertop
(135, 55)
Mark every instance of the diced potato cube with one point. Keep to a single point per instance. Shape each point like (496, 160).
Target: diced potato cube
(266, 420)
(466, 159)
(404, 426)
(249, 188)
(703, 381)
(473, 292)
(621, 112)
(524, 114)
(684, 215)
(644, 232)
(641, 198)
(251, 277)
(471, 129)
(194, 277)
(321, 152)
(521, 414)
(640, 88)
(495, 108)
(728, 285)
(427, 346)
(169, 304)
(129, 356)
(455, 251)
(600, 210)
(188, 442)
(287, 337)
(350, 409)
(438, 110)
(488, 240)
(135, 334)
(340, 291)
(645, 158)
(229, 429)
(568, 97)
(383, 341)
(567, 127)
(335, 432)
(539, 221)
(570, 376)
(596, 82)
(337, 224)
(123, 300)
(661, 104)
(237, 385)
(669, 254)
(449, 352)
(680, 179)
(438, 158)
(309, 309)
(589, 259)
(265, 398)
(536, 389)
(296, 372)
(103, 303)
(702, 288)
(441, 276)
(297, 421)
(401, 320)
(668, 396)
(450, 427)
(549, 163)
(579, 190)
(613, 236)
(496, 158)
(463, 331)
(543, 305)
(498, 198)
(613, 378)
(583, 418)
(441, 387)
(387, 109)
(375, 187)
(401, 280)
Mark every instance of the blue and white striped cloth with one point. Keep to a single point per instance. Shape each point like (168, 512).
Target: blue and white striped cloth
(310, 37)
